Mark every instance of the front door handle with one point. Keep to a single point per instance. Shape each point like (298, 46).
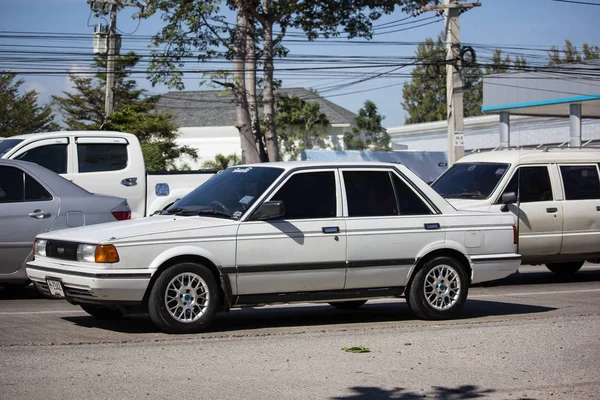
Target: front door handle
(432, 226)
(551, 210)
(129, 182)
(39, 214)
(331, 229)
(597, 208)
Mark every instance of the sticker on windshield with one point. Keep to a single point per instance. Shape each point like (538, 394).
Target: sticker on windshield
(472, 167)
(246, 199)
(500, 171)
(237, 214)
(242, 170)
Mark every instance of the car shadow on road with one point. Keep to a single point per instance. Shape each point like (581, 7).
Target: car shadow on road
(20, 293)
(310, 316)
(525, 277)
(436, 392)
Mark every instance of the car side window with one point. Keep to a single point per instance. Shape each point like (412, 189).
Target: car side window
(12, 186)
(34, 191)
(535, 184)
(580, 182)
(370, 194)
(53, 157)
(97, 157)
(309, 195)
(410, 203)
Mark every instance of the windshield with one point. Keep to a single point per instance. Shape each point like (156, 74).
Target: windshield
(228, 194)
(470, 180)
(7, 144)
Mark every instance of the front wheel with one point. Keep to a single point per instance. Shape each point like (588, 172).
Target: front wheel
(184, 299)
(439, 289)
(565, 269)
(348, 305)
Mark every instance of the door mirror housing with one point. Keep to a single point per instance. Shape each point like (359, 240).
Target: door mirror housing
(269, 210)
(508, 198)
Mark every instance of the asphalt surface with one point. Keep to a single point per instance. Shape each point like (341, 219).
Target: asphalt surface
(529, 336)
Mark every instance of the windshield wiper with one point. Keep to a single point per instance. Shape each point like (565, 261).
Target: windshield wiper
(176, 211)
(214, 212)
(473, 195)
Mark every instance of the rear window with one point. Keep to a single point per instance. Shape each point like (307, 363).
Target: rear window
(470, 180)
(580, 182)
(97, 157)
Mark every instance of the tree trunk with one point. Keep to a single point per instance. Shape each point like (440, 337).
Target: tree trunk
(250, 84)
(268, 96)
(243, 123)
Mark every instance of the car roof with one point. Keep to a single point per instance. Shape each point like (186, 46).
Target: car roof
(521, 156)
(59, 185)
(50, 135)
(291, 165)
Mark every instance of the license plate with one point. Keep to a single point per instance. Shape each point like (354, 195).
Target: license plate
(56, 288)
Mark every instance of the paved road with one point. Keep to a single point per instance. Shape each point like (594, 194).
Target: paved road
(527, 336)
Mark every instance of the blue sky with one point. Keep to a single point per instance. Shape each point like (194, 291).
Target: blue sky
(536, 24)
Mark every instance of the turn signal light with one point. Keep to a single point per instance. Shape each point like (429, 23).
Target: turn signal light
(515, 235)
(106, 254)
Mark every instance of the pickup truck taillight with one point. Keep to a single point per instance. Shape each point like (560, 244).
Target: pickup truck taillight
(121, 213)
(515, 235)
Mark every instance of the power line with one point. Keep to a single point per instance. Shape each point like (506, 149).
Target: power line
(577, 2)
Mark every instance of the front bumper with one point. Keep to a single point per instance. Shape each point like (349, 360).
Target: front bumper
(83, 285)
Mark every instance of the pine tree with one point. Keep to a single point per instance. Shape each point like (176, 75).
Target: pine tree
(570, 54)
(368, 134)
(20, 113)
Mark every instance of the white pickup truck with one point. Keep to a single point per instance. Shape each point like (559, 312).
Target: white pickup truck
(103, 162)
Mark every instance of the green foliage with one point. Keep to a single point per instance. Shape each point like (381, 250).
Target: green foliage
(368, 134)
(20, 113)
(300, 124)
(83, 109)
(222, 162)
(570, 54)
(357, 349)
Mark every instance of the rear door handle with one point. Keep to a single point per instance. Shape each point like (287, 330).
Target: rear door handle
(597, 208)
(129, 182)
(431, 226)
(39, 214)
(331, 229)
(551, 210)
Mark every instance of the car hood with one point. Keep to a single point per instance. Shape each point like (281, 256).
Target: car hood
(469, 204)
(144, 227)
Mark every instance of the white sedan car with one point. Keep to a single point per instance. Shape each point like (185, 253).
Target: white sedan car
(341, 233)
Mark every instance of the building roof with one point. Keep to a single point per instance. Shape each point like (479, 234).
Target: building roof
(217, 108)
(545, 91)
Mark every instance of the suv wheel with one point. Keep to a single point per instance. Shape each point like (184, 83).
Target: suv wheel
(184, 299)
(439, 289)
(565, 269)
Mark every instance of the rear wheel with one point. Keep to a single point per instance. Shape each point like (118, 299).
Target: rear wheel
(565, 269)
(184, 299)
(439, 289)
(102, 312)
(348, 305)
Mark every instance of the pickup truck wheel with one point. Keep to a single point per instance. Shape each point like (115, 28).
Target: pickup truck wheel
(184, 299)
(565, 269)
(439, 289)
(102, 312)
(348, 305)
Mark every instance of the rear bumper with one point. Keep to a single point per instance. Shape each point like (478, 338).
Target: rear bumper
(85, 286)
(494, 266)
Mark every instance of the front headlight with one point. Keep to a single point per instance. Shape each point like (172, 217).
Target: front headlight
(86, 252)
(39, 247)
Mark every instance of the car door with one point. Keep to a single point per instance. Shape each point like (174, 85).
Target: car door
(387, 224)
(26, 209)
(540, 213)
(581, 208)
(303, 251)
(103, 167)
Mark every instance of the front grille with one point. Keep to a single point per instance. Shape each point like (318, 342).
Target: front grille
(74, 292)
(62, 250)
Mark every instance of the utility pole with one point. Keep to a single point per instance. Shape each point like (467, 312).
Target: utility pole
(112, 47)
(454, 86)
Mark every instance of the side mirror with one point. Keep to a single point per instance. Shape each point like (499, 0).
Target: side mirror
(269, 210)
(508, 198)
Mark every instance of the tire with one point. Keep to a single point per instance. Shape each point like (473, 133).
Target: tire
(565, 269)
(102, 312)
(184, 311)
(348, 305)
(439, 289)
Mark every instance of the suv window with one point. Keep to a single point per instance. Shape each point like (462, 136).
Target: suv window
(535, 184)
(53, 157)
(580, 182)
(16, 186)
(370, 194)
(309, 195)
(96, 157)
(410, 203)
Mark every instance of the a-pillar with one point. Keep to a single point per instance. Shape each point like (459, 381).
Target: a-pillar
(575, 125)
(504, 130)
